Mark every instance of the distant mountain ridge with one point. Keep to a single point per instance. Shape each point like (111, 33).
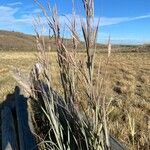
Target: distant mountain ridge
(16, 41)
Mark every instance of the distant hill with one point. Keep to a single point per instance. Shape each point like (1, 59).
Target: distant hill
(17, 41)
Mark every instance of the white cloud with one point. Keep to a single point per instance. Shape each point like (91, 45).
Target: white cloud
(7, 14)
(116, 20)
(15, 3)
(35, 11)
(105, 21)
(11, 19)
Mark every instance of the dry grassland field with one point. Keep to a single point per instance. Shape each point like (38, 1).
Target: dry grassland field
(128, 89)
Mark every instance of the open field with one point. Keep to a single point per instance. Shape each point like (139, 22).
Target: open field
(128, 89)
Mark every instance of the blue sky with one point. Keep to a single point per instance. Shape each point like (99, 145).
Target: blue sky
(126, 21)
